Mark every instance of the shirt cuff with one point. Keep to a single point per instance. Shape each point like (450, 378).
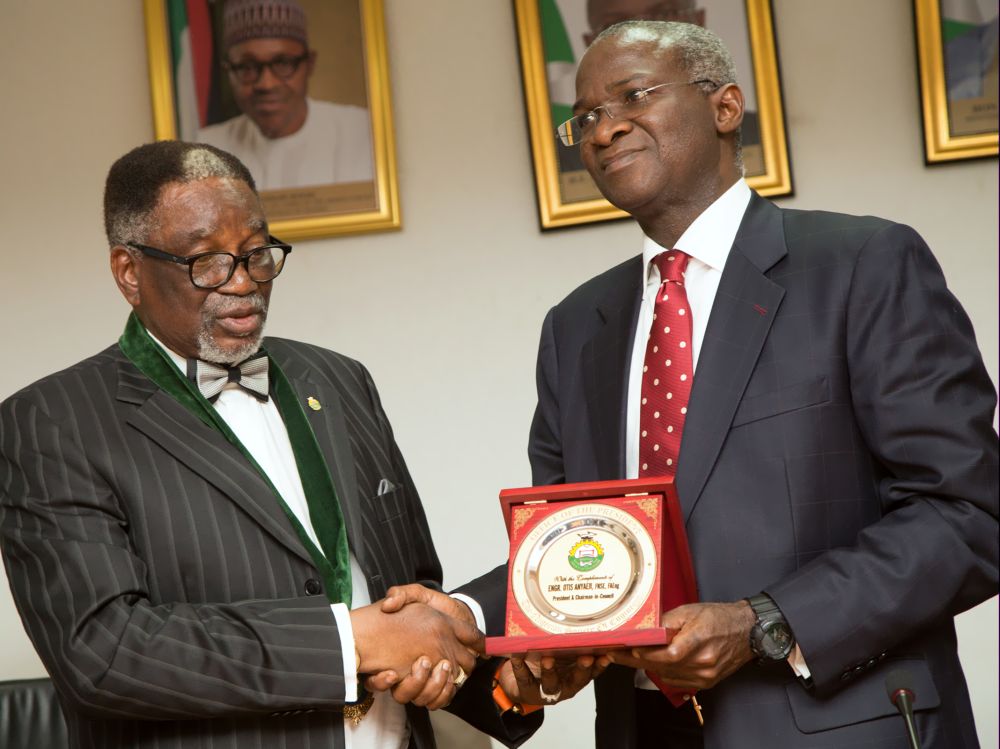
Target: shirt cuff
(475, 608)
(798, 664)
(346, 632)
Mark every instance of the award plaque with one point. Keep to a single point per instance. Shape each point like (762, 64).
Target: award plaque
(593, 566)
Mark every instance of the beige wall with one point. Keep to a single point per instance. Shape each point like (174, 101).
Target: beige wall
(446, 313)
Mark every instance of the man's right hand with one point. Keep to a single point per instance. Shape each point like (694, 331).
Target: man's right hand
(428, 683)
(399, 595)
(395, 641)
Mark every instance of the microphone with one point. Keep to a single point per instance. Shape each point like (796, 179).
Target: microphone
(899, 687)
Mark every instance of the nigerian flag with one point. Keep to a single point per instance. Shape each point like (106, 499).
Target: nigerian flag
(969, 32)
(560, 65)
(962, 16)
(191, 55)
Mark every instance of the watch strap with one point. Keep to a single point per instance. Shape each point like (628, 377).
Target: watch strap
(505, 703)
(764, 606)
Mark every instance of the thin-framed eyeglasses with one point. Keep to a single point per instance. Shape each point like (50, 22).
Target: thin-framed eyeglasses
(210, 270)
(249, 71)
(625, 105)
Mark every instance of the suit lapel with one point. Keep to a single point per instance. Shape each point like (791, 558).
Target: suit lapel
(330, 427)
(605, 368)
(744, 309)
(205, 452)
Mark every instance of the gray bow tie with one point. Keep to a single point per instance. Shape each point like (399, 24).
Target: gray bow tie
(251, 375)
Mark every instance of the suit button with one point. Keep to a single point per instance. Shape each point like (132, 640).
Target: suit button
(313, 587)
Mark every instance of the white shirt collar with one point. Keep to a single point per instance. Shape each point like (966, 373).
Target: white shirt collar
(179, 361)
(710, 236)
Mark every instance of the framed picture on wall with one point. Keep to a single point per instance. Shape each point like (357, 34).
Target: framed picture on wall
(553, 35)
(297, 89)
(957, 51)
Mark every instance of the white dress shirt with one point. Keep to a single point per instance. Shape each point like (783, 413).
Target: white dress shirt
(259, 426)
(707, 240)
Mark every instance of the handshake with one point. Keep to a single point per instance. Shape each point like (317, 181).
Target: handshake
(421, 645)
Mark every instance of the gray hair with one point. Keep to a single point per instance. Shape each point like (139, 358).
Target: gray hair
(698, 52)
(132, 190)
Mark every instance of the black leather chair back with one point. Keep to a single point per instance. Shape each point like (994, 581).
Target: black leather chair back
(30, 717)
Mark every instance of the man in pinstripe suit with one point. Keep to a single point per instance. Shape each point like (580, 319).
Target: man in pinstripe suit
(195, 559)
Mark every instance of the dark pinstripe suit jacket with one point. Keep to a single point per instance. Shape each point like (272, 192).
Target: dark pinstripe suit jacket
(838, 453)
(158, 578)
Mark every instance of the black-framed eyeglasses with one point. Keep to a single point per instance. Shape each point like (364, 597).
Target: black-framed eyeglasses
(210, 270)
(249, 71)
(625, 105)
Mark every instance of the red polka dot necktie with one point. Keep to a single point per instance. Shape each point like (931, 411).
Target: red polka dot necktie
(666, 387)
(667, 371)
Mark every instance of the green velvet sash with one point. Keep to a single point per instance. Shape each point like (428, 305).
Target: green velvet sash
(333, 562)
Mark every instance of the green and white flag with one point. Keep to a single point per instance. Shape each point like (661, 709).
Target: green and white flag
(191, 53)
(560, 64)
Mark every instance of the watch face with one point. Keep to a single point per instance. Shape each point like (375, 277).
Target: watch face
(776, 642)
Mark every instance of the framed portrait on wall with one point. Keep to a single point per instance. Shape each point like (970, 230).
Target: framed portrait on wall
(957, 51)
(296, 89)
(553, 35)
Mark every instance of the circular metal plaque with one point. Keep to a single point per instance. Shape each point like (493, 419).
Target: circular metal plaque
(587, 568)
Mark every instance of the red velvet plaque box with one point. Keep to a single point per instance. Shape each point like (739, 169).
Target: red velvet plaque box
(593, 566)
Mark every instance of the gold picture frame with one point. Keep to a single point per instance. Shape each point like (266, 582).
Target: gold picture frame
(946, 116)
(308, 211)
(567, 197)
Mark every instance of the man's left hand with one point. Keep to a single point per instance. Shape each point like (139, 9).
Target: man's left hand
(712, 642)
(526, 679)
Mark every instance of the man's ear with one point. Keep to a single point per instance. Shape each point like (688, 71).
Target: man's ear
(310, 63)
(728, 108)
(127, 270)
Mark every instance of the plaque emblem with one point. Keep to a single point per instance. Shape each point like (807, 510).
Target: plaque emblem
(587, 567)
(587, 554)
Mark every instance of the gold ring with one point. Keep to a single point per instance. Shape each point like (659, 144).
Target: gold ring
(549, 698)
(460, 678)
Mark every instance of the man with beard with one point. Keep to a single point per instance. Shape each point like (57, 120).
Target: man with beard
(285, 138)
(196, 520)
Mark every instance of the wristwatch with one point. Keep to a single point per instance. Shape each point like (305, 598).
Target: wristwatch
(771, 638)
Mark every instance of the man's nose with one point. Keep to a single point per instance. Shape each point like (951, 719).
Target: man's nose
(240, 283)
(267, 78)
(608, 128)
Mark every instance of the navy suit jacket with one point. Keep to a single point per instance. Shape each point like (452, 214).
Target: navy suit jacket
(838, 453)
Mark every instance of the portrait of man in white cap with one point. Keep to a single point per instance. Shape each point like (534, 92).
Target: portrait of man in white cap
(285, 138)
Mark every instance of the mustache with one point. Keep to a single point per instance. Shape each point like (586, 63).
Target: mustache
(222, 305)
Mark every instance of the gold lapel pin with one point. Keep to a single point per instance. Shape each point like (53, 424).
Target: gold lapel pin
(314, 404)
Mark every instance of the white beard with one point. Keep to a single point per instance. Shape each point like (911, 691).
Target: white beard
(217, 305)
